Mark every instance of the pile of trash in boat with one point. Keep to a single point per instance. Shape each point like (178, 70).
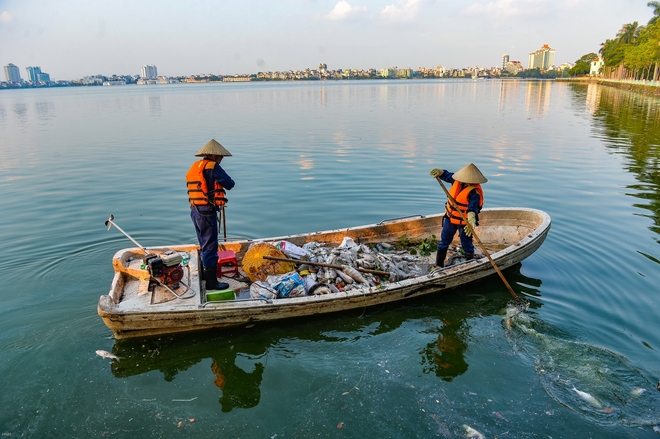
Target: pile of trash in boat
(314, 277)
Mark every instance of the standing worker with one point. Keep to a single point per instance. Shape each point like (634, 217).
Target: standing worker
(207, 182)
(466, 191)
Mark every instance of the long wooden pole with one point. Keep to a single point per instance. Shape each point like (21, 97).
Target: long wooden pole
(224, 224)
(474, 235)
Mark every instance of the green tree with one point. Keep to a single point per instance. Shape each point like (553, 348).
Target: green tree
(656, 11)
(612, 52)
(529, 73)
(628, 34)
(583, 65)
(642, 56)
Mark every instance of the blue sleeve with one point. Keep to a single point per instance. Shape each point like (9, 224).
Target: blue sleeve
(222, 177)
(473, 201)
(447, 176)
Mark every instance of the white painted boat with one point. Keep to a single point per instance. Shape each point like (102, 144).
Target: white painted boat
(509, 234)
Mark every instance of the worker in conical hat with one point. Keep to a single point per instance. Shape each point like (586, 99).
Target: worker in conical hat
(207, 185)
(469, 196)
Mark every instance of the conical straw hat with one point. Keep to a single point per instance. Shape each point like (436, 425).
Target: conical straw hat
(470, 174)
(212, 148)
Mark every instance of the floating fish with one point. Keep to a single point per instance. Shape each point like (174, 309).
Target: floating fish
(637, 391)
(589, 398)
(106, 354)
(471, 433)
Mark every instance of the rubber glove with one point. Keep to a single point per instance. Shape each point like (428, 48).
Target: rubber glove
(472, 221)
(436, 172)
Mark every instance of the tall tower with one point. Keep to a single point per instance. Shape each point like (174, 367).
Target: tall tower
(33, 74)
(149, 72)
(542, 58)
(505, 59)
(12, 73)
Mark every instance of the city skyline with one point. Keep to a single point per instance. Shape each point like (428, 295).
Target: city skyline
(149, 73)
(247, 37)
(542, 59)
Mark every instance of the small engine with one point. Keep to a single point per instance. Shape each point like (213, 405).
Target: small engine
(166, 267)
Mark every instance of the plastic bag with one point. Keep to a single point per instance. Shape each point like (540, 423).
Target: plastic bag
(348, 243)
(291, 250)
(289, 284)
(262, 290)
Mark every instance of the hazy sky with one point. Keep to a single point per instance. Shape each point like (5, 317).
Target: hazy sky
(73, 38)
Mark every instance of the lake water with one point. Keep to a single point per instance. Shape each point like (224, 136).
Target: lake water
(323, 155)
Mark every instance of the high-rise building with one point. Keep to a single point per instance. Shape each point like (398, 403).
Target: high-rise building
(43, 77)
(32, 73)
(12, 73)
(542, 58)
(149, 72)
(505, 59)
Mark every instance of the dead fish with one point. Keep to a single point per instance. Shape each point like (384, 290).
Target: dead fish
(589, 398)
(637, 391)
(352, 272)
(321, 289)
(471, 433)
(345, 277)
(106, 354)
(366, 262)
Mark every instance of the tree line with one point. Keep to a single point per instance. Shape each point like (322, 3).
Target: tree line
(633, 54)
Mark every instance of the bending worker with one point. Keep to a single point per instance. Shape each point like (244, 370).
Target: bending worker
(207, 182)
(466, 191)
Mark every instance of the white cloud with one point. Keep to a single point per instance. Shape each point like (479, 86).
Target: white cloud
(404, 10)
(5, 17)
(344, 10)
(508, 8)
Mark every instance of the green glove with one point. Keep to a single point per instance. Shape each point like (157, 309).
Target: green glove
(472, 221)
(436, 172)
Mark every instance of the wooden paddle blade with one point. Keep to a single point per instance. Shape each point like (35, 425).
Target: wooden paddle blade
(257, 268)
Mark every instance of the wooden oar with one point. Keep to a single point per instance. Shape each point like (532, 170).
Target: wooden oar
(474, 235)
(320, 264)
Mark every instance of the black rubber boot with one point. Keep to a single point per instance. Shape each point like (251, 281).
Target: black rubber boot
(211, 277)
(469, 256)
(440, 257)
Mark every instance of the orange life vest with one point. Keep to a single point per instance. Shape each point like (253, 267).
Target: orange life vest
(198, 191)
(461, 197)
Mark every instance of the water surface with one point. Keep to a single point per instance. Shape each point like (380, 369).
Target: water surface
(315, 156)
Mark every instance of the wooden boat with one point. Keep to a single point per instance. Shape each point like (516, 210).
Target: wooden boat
(509, 234)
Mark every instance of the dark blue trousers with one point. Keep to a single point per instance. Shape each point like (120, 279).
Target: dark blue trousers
(206, 227)
(448, 231)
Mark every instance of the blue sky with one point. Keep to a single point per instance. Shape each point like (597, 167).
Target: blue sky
(73, 38)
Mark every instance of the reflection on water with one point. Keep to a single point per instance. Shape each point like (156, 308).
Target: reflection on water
(537, 97)
(239, 356)
(630, 126)
(153, 102)
(45, 110)
(240, 388)
(21, 112)
(445, 357)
